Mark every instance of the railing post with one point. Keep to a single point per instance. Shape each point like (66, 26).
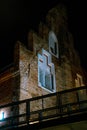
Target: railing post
(40, 116)
(77, 95)
(27, 111)
(59, 103)
(42, 103)
(14, 112)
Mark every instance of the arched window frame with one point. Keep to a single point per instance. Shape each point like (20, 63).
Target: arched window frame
(53, 44)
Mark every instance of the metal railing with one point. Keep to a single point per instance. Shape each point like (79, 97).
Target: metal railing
(39, 109)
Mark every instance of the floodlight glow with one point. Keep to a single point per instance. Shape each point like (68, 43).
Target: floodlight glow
(1, 115)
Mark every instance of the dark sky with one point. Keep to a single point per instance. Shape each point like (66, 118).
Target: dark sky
(17, 17)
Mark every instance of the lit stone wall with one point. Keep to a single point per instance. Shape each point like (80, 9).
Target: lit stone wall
(67, 64)
(28, 63)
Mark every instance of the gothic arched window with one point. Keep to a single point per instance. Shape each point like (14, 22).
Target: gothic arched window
(53, 44)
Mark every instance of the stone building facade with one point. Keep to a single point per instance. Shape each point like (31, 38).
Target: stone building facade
(49, 63)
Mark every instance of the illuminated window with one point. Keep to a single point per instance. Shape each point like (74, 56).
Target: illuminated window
(53, 44)
(46, 72)
(1, 115)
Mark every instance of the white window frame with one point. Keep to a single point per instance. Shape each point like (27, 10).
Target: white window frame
(48, 70)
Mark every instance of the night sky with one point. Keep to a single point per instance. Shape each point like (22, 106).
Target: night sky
(17, 17)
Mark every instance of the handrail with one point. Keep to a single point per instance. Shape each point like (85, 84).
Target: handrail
(33, 110)
(44, 96)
